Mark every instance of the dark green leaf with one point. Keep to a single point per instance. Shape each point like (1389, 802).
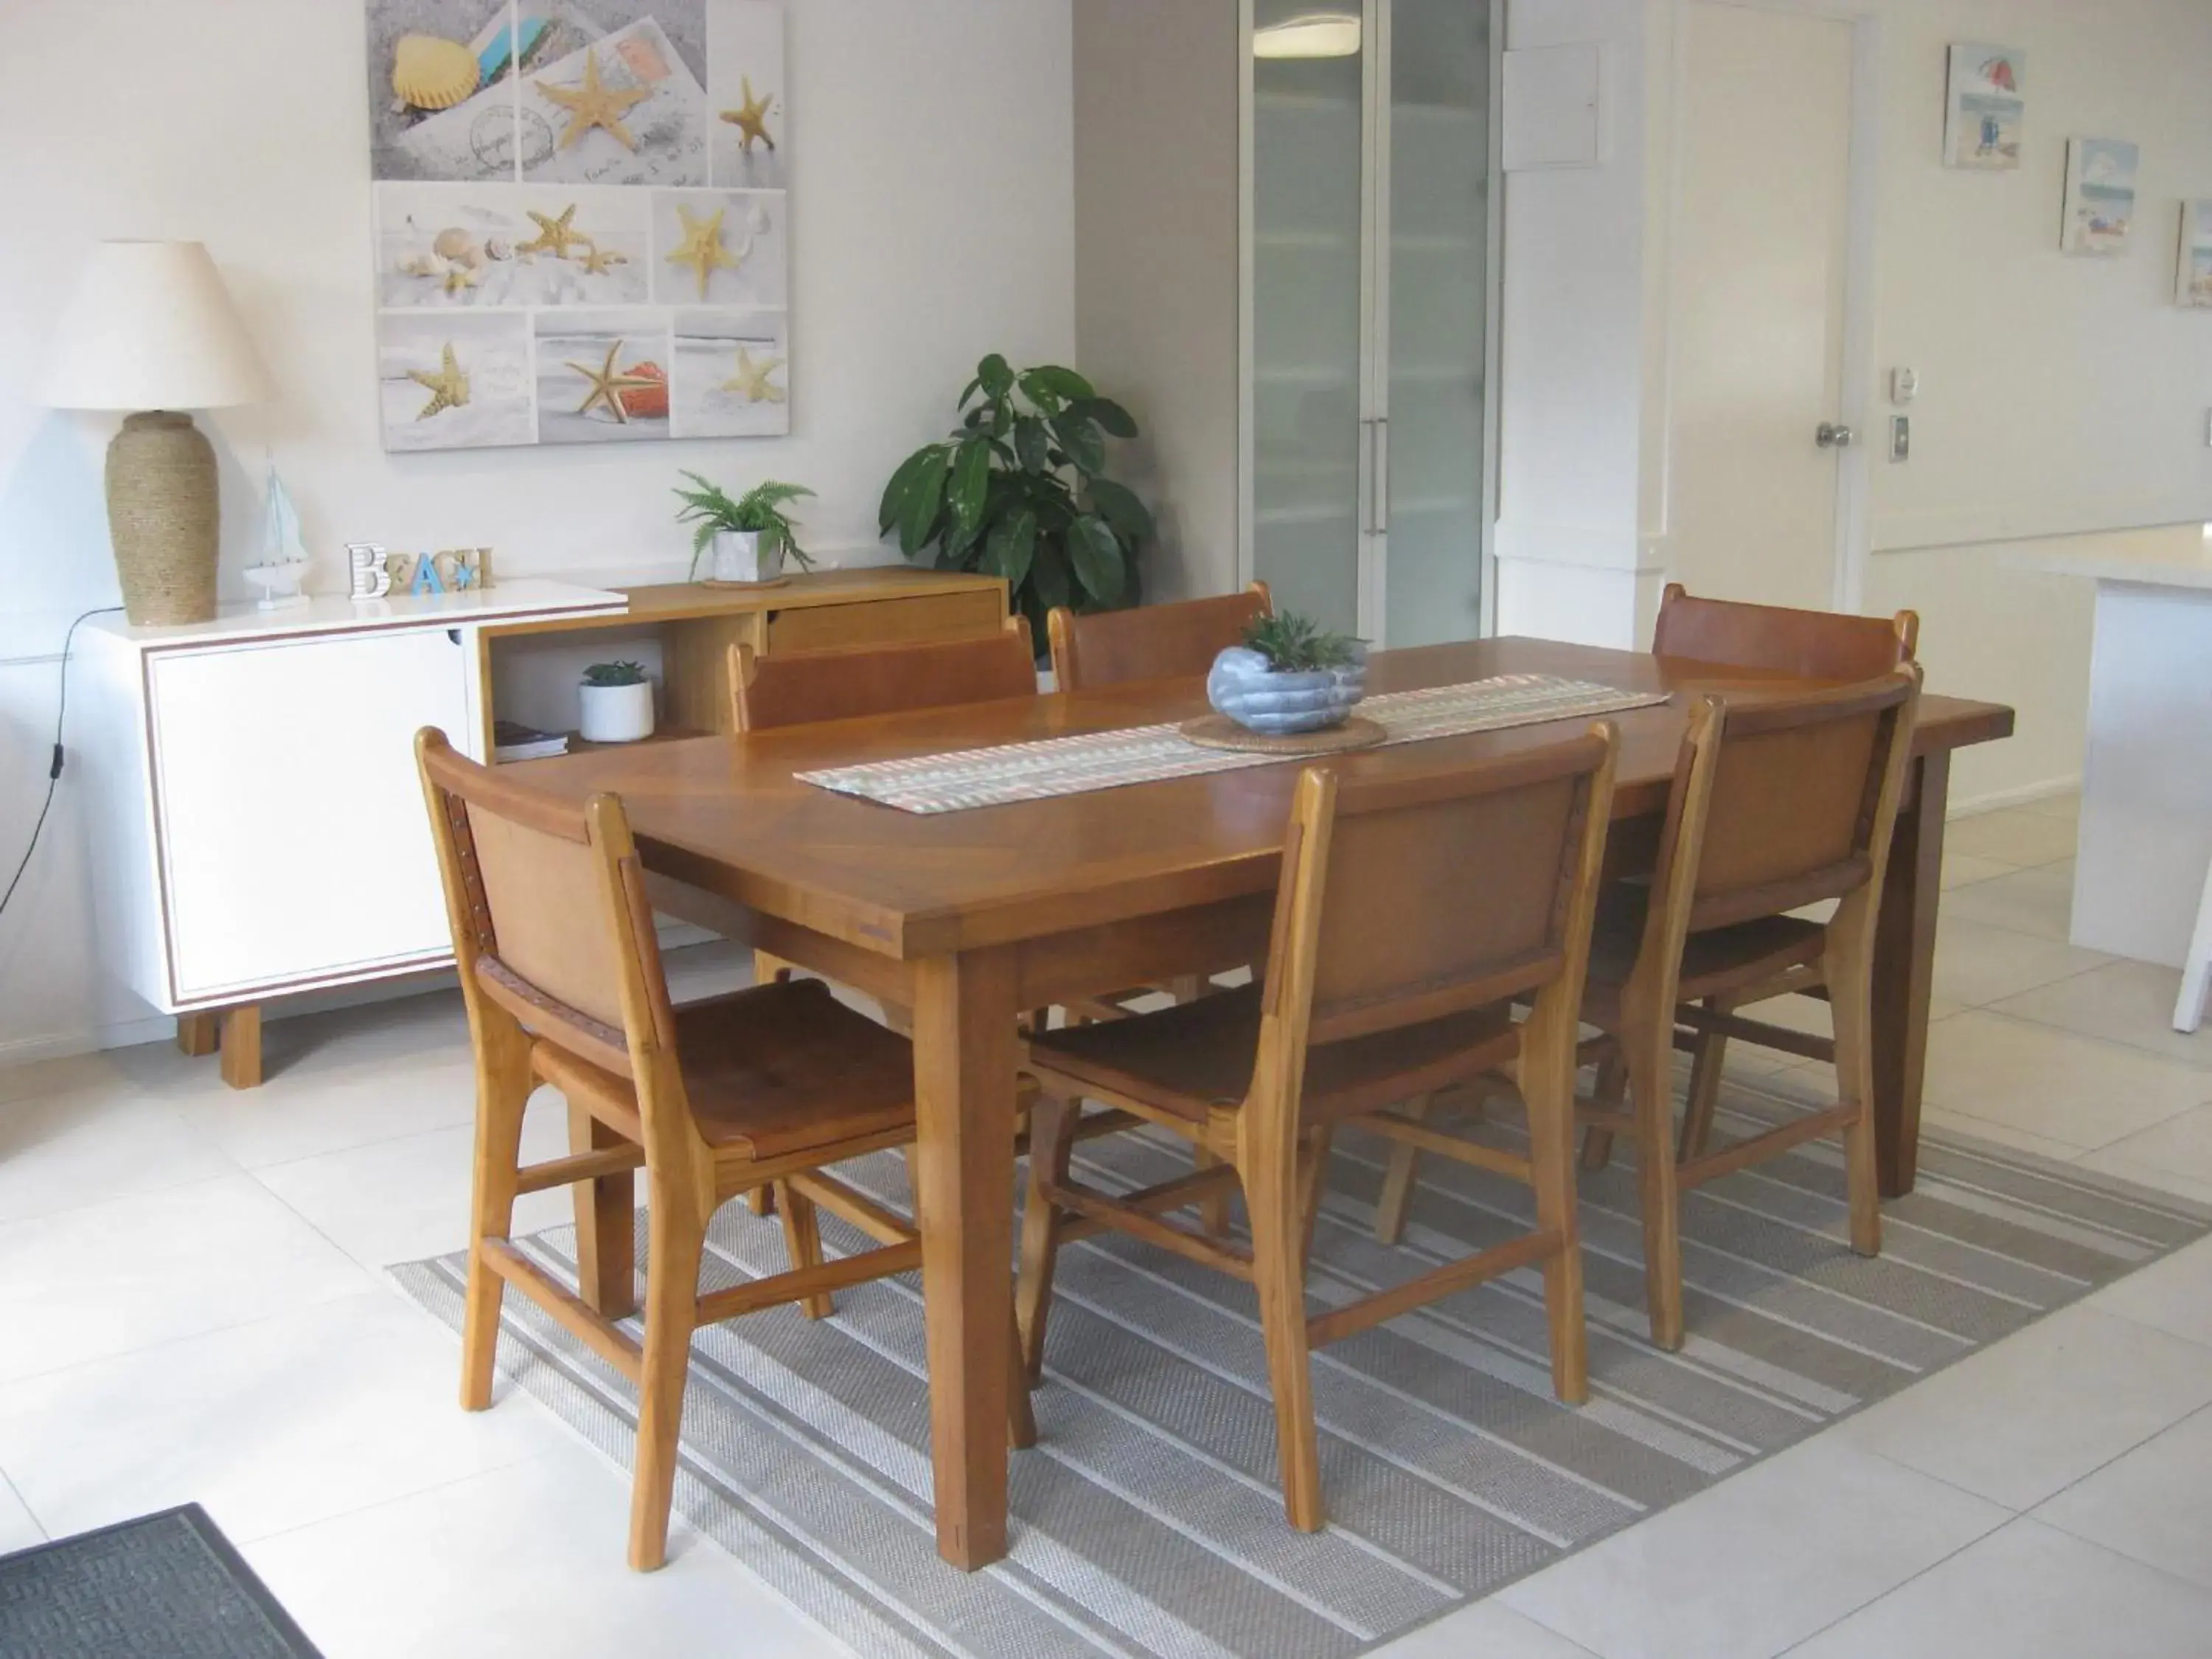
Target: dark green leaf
(903, 482)
(1119, 506)
(1098, 558)
(1117, 419)
(1048, 572)
(1030, 443)
(995, 376)
(971, 478)
(918, 517)
(1085, 444)
(1010, 548)
(1049, 382)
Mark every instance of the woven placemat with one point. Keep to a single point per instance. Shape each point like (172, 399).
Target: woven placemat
(1219, 732)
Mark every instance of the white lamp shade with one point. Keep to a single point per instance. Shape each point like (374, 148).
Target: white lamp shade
(151, 326)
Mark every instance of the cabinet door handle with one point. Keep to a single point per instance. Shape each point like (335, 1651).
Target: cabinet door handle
(1381, 473)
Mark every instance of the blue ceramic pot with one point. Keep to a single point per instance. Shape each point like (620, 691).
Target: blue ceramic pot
(1258, 699)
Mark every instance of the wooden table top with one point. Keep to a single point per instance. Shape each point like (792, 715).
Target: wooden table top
(727, 814)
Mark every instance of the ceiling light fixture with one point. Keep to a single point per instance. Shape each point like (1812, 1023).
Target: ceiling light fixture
(1317, 34)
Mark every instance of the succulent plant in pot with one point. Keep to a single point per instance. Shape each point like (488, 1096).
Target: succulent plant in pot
(615, 704)
(1018, 490)
(1289, 676)
(748, 536)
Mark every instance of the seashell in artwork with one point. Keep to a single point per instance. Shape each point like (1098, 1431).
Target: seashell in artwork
(498, 248)
(430, 73)
(453, 244)
(422, 264)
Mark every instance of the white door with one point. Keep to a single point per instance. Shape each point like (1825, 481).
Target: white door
(1759, 303)
(295, 846)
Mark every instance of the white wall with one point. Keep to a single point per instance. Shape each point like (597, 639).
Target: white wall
(931, 178)
(2060, 396)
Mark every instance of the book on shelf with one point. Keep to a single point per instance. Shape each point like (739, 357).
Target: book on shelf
(511, 740)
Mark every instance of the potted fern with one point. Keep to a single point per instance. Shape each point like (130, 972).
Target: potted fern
(748, 536)
(1289, 676)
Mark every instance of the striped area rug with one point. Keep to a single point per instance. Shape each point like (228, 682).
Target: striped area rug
(1147, 1522)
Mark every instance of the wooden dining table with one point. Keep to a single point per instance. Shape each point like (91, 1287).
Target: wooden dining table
(966, 918)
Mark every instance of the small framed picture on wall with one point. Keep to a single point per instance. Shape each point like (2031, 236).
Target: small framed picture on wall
(2193, 282)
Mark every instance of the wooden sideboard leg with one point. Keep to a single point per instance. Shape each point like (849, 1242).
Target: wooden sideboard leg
(242, 1046)
(196, 1033)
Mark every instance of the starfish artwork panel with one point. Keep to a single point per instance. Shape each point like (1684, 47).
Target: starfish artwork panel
(579, 221)
(732, 375)
(746, 95)
(628, 107)
(457, 382)
(602, 376)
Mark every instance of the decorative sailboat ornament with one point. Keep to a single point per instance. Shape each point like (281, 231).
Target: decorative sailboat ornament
(283, 560)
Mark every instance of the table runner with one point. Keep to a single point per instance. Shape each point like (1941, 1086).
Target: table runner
(1145, 754)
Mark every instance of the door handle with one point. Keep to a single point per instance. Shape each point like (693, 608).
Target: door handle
(1381, 486)
(1830, 435)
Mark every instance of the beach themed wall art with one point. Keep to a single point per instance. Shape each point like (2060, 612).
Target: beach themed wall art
(2193, 284)
(1983, 115)
(2101, 195)
(579, 182)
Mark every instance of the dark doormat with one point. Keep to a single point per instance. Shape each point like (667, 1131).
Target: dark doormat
(165, 1586)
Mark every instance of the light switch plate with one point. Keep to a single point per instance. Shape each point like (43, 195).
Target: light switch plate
(1900, 437)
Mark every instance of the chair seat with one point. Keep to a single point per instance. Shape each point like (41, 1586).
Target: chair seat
(1186, 1060)
(1718, 960)
(778, 1069)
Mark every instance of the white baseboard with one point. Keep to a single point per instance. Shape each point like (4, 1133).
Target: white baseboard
(1996, 801)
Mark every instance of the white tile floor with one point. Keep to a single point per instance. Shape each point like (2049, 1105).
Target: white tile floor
(189, 1284)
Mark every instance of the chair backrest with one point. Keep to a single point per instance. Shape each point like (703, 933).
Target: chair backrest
(1150, 642)
(851, 685)
(1813, 645)
(1414, 893)
(1780, 804)
(551, 925)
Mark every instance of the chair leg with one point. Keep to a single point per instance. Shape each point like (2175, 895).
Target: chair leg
(1214, 1208)
(763, 1198)
(1274, 1182)
(502, 1092)
(1548, 1092)
(676, 1238)
(1052, 1138)
(1705, 1063)
(1313, 1180)
(1851, 994)
(802, 1241)
(1611, 1089)
(1398, 1180)
(1652, 1101)
(1021, 1415)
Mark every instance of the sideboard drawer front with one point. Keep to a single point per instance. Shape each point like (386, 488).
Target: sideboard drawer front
(885, 621)
(294, 841)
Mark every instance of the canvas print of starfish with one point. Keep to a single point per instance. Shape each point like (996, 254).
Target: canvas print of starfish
(745, 95)
(602, 376)
(472, 246)
(627, 108)
(455, 381)
(732, 375)
(718, 247)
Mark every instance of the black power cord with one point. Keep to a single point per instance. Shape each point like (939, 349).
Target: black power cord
(54, 771)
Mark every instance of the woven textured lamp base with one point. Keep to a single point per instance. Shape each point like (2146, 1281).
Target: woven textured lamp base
(163, 518)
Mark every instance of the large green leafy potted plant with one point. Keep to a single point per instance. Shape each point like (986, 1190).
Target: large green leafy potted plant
(1018, 490)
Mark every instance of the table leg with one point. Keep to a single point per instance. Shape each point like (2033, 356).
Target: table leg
(964, 1162)
(1905, 971)
(607, 1236)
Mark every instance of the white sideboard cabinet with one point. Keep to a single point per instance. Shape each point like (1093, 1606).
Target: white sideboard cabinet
(257, 828)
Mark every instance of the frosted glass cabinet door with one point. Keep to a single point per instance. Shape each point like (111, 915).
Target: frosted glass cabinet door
(295, 846)
(1308, 120)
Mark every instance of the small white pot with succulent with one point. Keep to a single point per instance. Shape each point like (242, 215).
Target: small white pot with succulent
(615, 704)
(742, 542)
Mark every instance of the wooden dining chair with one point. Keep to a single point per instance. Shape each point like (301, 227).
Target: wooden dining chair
(1818, 645)
(800, 688)
(1776, 805)
(1394, 958)
(561, 976)
(1176, 640)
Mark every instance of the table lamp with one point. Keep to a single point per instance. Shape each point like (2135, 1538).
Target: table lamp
(151, 329)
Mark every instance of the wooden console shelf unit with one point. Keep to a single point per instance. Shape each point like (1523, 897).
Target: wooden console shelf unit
(258, 826)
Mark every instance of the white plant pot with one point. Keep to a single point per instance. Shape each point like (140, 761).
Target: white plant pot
(746, 556)
(615, 713)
